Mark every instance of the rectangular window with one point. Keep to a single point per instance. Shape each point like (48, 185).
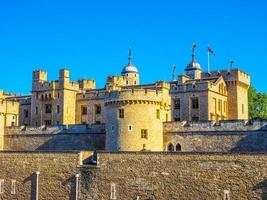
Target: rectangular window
(2, 186)
(26, 113)
(224, 106)
(36, 110)
(58, 109)
(158, 113)
(243, 109)
(144, 134)
(47, 122)
(121, 113)
(48, 108)
(112, 191)
(97, 109)
(13, 186)
(194, 103)
(84, 110)
(177, 104)
(130, 127)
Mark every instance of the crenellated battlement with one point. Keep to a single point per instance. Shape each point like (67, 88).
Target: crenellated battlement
(229, 75)
(207, 126)
(139, 95)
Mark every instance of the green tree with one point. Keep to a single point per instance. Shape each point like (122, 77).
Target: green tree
(257, 104)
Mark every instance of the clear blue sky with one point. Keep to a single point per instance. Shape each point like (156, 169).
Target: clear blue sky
(91, 38)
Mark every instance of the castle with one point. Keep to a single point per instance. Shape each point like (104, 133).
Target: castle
(181, 139)
(133, 113)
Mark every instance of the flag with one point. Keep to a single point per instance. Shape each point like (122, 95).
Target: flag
(211, 51)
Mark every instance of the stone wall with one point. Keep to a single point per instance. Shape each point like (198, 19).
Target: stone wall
(173, 176)
(226, 136)
(55, 138)
(56, 179)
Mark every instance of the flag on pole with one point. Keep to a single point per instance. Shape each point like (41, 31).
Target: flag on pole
(211, 51)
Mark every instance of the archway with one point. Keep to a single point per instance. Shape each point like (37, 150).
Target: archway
(170, 147)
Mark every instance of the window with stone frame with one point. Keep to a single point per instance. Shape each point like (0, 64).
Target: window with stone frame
(48, 108)
(84, 110)
(97, 109)
(176, 104)
(26, 113)
(58, 109)
(194, 103)
(144, 134)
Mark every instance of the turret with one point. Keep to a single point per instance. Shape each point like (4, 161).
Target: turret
(130, 72)
(193, 69)
(64, 76)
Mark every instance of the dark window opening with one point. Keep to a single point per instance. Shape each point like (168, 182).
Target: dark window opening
(121, 113)
(84, 110)
(48, 108)
(178, 147)
(170, 147)
(97, 109)
(177, 104)
(194, 102)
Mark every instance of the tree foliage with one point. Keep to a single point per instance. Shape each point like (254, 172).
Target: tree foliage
(257, 104)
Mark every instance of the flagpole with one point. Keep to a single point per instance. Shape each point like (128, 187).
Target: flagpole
(208, 61)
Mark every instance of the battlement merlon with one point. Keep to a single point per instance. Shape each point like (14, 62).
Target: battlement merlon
(40, 82)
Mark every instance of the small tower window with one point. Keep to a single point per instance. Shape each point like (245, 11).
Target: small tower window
(121, 113)
(58, 109)
(144, 134)
(36, 110)
(130, 127)
(158, 113)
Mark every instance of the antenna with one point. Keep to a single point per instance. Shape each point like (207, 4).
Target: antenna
(173, 72)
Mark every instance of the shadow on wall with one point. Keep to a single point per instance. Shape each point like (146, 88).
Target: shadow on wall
(69, 142)
(71, 182)
(32, 180)
(263, 187)
(253, 142)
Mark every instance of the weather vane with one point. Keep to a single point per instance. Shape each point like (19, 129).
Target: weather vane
(232, 63)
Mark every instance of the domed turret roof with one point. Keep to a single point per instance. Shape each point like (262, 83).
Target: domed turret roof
(129, 68)
(193, 65)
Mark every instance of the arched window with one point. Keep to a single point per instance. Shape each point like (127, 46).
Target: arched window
(178, 147)
(170, 147)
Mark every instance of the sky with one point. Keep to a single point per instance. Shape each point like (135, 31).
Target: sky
(91, 38)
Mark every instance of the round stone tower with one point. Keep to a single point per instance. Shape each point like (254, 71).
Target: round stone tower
(134, 119)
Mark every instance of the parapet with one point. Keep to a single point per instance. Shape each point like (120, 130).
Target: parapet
(208, 126)
(62, 129)
(138, 95)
